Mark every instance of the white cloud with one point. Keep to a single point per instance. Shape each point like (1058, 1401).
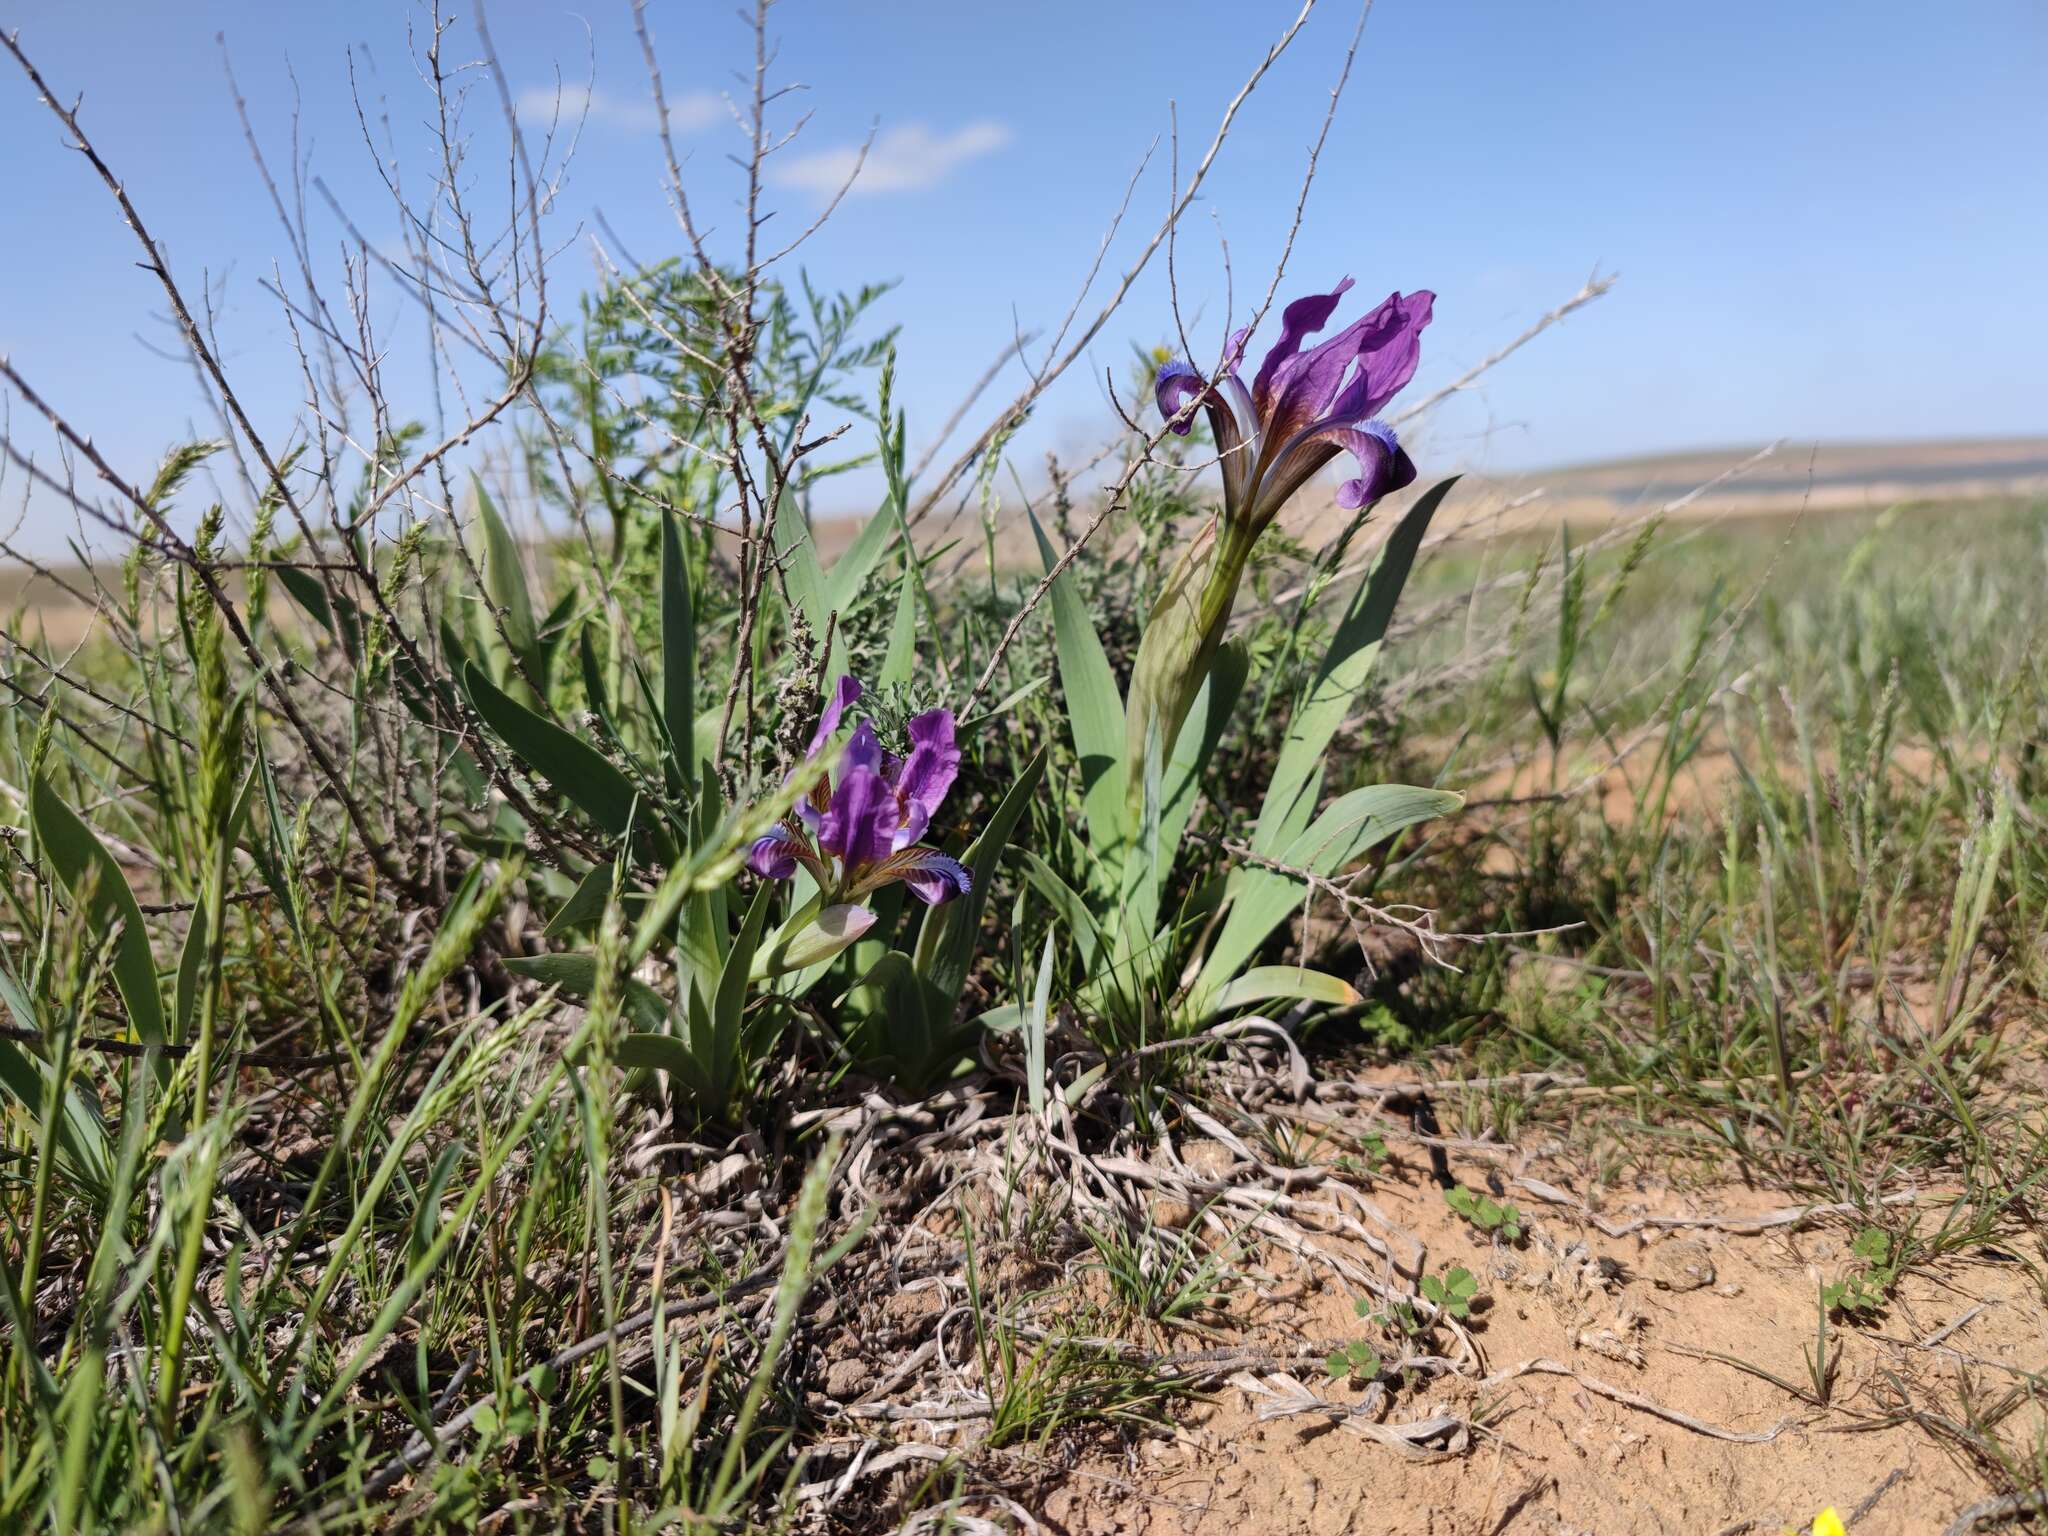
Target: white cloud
(908, 158)
(540, 105)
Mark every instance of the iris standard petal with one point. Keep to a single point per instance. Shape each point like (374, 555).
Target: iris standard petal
(862, 820)
(1235, 423)
(863, 751)
(1233, 420)
(916, 821)
(1320, 384)
(1304, 317)
(1388, 363)
(1352, 375)
(844, 694)
(934, 762)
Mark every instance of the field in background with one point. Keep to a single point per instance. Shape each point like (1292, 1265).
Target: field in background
(1795, 478)
(1755, 480)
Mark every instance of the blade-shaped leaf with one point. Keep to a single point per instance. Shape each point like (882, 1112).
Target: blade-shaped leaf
(191, 961)
(678, 652)
(901, 656)
(730, 1004)
(1206, 722)
(801, 572)
(945, 944)
(84, 867)
(1134, 923)
(1261, 898)
(847, 581)
(596, 697)
(305, 590)
(1067, 904)
(1035, 1028)
(586, 903)
(505, 581)
(82, 1141)
(1095, 712)
(553, 629)
(1264, 983)
(649, 1051)
(571, 764)
(1346, 668)
(898, 1016)
(1363, 819)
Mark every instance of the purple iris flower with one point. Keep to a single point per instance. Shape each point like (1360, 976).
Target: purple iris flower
(1300, 411)
(862, 832)
(1303, 408)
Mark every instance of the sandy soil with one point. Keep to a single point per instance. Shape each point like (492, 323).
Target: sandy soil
(1626, 1317)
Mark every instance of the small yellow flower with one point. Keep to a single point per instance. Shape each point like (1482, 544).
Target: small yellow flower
(1828, 1523)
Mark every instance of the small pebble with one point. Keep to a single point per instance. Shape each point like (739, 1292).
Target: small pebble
(1680, 1264)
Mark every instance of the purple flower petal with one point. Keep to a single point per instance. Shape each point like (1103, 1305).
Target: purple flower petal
(1389, 349)
(862, 820)
(1177, 384)
(934, 762)
(863, 751)
(933, 878)
(811, 809)
(1233, 349)
(1384, 467)
(1304, 317)
(771, 855)
(1321, 394)
(844, 694)
(1350, 376)
(916, 822)
(1383, 464)
(1233, 421)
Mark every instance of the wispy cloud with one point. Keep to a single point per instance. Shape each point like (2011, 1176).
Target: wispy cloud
(540, 105)
(908, 158)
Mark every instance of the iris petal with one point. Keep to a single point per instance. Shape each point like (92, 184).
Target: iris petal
(1383, 464)
(1304, 317)
(844, 694)
(771, 857)
(934, 762)
(862, 820)
(1349, 377)
(933, 877)
(1177, 384)
(863, 751)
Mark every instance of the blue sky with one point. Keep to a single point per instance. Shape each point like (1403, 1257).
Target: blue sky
(1830, 219)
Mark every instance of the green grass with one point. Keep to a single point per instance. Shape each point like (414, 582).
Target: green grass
(414, 1116)
(419, 1197)
(325, 1198)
